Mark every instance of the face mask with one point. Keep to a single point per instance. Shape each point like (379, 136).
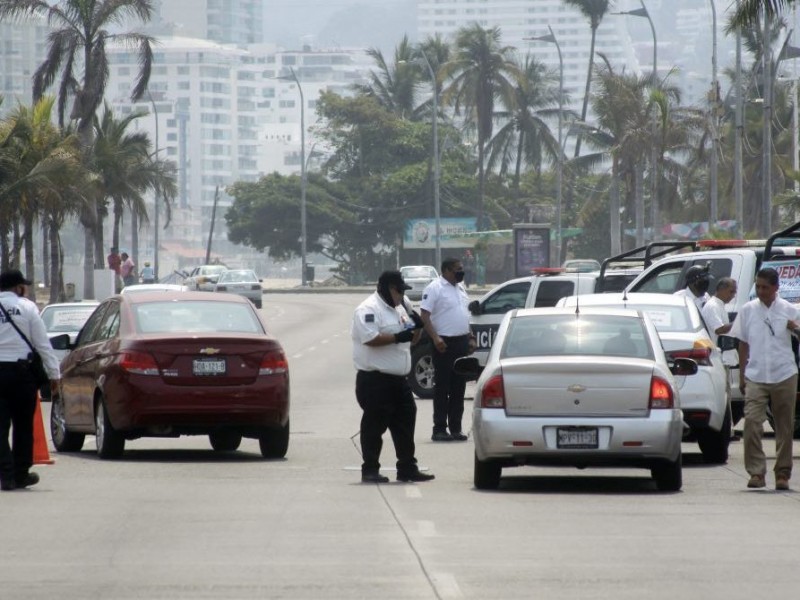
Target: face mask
(702, 286)
(385, 293)
(459, 276)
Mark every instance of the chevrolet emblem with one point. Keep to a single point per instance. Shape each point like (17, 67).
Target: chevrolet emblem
(576, 388)
(209, 351)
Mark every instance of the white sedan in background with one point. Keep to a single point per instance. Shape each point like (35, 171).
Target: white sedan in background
(705, 397)
(552, 394)
(418, 277)
(243, 282)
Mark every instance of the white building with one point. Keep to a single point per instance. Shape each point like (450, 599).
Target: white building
(23, 47)
(237, 22)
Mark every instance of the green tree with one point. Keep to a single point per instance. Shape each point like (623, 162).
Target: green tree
(750, 12)
(394, 86)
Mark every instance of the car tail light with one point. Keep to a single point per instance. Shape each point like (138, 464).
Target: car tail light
(273, 363)
(138, 363)
(493, 393)
(222, 288)
(661, 394)
(255, 286)
(700, 354)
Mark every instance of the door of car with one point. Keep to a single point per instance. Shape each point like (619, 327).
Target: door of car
(492, 308)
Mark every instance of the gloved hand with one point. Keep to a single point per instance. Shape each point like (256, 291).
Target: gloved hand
(418, 324)
(404, 336)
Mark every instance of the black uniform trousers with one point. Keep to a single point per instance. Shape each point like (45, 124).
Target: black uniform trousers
(17, 407)
(388, 403)
(449, 387)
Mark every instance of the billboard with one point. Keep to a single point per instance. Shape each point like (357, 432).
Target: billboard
(421, 233)
(531, 248)
(789, 279)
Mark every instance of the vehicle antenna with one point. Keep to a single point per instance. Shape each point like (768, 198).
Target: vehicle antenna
(578, 296)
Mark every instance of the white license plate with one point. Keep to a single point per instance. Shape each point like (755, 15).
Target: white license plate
(211, 366)
(577, 437)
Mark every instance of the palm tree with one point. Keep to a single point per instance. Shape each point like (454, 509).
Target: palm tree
(76, 56)
(525, 137)
(750, 12)
(394, 86)
(481, 73)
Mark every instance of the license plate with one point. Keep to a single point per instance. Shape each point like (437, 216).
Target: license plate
(577, 437)
(208, 366)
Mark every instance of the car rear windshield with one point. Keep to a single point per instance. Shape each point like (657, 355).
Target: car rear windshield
(196, 317)
(238, 277)
(583, 335)
(418, 272)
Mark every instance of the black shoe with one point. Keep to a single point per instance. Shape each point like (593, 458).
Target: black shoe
(374, 478)
(458, 436)
(415, 476)
(441, 436)
(7, 485)
(27, 481)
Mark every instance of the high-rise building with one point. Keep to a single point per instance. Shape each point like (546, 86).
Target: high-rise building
(237, 22)
(22, 50)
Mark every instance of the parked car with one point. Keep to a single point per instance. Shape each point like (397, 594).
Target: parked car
(418, 277)
(243, 282)
(552, 393)
(705, 397)
(167, 364)
(154, 287)
(581, 265)
(61, 318)
(204, 278)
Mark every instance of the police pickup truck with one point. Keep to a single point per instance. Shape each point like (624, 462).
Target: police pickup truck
(545, 287)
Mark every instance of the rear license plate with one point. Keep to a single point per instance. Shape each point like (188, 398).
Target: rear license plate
(208, 366)
(577, 437)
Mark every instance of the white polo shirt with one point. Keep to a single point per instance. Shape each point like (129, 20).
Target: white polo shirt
(771, 357)
(699, 301)
(447, 304)
(26, 316)
(373, 317)
(715, 316)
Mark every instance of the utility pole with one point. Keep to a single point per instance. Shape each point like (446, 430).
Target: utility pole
(211, 229)
(714, 103)
(739, 123)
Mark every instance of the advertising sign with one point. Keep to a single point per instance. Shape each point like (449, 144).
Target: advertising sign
(531, 248)
(789, 282)
(421, 233)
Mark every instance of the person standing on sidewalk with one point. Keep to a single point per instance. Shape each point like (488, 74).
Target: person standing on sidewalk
(382, 330)
(446, 318)
(767, 375)
(17, 385)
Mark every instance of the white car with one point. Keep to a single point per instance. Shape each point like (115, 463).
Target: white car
(418, 277)
(705, 397)
(244, 282)
(154, 287)
(552, 394)
(204, 277)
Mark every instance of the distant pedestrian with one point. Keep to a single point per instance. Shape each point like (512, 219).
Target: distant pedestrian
(127, 270)
(383, 326)
(714, 313)
(17, 386)
(148, 274)
(698, 280)
(114, 263)
(767, 376)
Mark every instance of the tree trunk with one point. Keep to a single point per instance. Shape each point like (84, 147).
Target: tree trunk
(616, 247)
(45, 254)
(518, 166)
(30, 266)
(586, 91)
(56, 278)
(481, 176)
(135, 237)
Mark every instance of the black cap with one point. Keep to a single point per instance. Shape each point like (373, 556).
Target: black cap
(13, 278)
(393, 278)
(697, 273)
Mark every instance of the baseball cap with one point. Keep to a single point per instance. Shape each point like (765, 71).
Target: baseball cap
(14, 277)
(393, 278)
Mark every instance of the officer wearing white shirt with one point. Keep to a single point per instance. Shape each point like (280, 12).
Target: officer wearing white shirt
(382, 330)
(767, 374)
(698, 280)
(446, 318)
(17, 386)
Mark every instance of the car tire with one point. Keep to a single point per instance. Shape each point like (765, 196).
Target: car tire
(225, 441)
(63, 439)
(110, 443)
(274, 442)
(487, 474)
(258, 304)
(421, 376)
(668, 476)
(714, 444)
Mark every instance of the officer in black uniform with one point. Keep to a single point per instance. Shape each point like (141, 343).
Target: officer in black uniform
(382, 330)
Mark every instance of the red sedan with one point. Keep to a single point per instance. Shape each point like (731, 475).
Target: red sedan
(168, 364)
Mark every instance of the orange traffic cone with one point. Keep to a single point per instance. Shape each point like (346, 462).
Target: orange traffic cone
(41, 455)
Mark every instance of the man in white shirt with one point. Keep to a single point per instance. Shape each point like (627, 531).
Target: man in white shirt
(697, 281)
(714, 313)
(767, 373)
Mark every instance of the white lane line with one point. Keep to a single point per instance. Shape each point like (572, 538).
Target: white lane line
(312, 348)
(412, 491)
(446, 585)
(324, 341)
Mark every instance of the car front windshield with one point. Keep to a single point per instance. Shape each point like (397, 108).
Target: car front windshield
(195, 317)
(583, 335)
(66, 318)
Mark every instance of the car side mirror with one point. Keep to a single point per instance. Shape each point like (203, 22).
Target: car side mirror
(60, 342)
(727, 342)
(474, 308)
(468, 367)
(683, 366)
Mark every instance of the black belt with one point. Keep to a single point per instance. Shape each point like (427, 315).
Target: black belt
(381, 373)
(454, 337)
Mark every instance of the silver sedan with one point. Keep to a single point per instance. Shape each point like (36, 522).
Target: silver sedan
(243, 282)
(552, 393)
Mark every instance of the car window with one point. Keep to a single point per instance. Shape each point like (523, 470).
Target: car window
(718, 268)
(195, 317)
(663, 280)
(550, 292)
(417, 272)
(59, 319)
(238, 277)
(589, 335)
(89, 331)
(507, 298)
(109, 326)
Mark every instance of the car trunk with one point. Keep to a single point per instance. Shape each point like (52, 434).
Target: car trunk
(584, 387)
(676, 341)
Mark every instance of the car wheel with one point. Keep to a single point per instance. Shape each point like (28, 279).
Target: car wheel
(258, 304)
(714, 444)
(487, 474)
(225, 441)
(668, 476)
(110, 443)
(421, 376)
(63, 440)
(274, 442)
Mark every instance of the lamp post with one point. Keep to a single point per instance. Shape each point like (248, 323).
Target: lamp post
(551, 39)
(642, 12)
(738, 192)
(713, 98)
(155, 202)
(303, 183)
(434, 125)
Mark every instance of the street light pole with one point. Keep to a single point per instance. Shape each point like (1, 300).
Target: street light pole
(155, 202)
(738, 191)
(303, 182)
(714, 97)
(434, 125)
(551, 39)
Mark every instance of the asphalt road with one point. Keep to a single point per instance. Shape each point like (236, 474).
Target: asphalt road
(174, 520)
